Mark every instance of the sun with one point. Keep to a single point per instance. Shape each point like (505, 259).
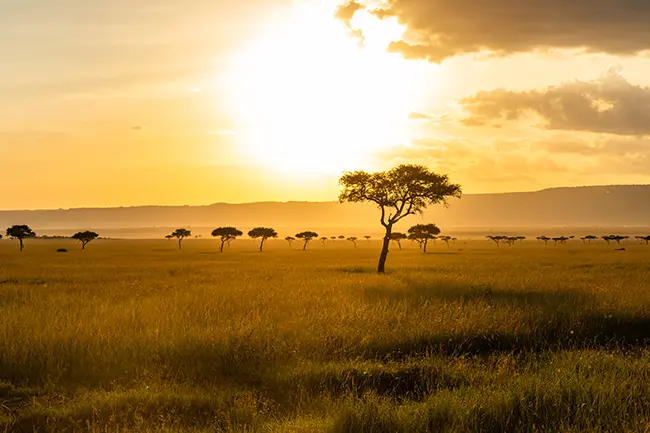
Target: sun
(310, 96)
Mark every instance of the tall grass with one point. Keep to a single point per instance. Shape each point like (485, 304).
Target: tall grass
(138, 336)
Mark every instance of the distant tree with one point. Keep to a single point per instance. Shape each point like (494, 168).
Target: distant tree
(290, 240)
(20, 232)
(85, 237)
(590, 238)
(423, 233)
(405, 190)
(323, 240)
(495, 239)
(544, 239)
(307, 238)
(333, 238)
(608, 238)
(521, 239)
(341, 237)
(446, 239)
(181, 234)
(226, 235)
(353, 239)
(645, 239)
(262, 233)
(169, 237)
(367, 237)
(398, 237)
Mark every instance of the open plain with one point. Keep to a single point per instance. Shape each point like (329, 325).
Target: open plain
(138, 336)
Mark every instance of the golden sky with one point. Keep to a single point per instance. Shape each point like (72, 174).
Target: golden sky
(123, 103)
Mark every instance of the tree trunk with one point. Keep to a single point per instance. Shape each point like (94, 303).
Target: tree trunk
(425, 244)
(83, 245)
(304, 247)
(262, 244)
(381, 267)
(179, 243)
(399, 244)
(222, 243)
(21, 243)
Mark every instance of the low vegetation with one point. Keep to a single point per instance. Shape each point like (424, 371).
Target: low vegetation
(138, 336)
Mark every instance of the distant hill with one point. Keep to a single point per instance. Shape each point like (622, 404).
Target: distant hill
(594, 206)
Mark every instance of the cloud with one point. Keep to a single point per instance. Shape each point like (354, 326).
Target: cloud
(609, 105)
(439, 29)
(346, 12)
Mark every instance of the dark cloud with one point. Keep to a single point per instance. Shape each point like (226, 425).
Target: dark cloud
(438, 29)
(609, 105)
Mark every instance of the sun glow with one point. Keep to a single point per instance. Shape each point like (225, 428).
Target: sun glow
(309, 96)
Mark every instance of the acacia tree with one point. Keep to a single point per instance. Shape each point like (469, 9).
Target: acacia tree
(262, 233)
(323, 240)
(20, 232)
(446, 239)
(590, 238)
(290, 240)
(306, 237)
(181, 234)
(608, 238)
(333, 238)
(495, 239)
(353, 239)
(645, 239)
(405, 190)
(398, 237)
(85, 237)
(423, 233)
(341, 237)
(226, 235)
(544, 239)
(367, 237)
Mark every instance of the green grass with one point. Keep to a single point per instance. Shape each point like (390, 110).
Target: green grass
(137, 336)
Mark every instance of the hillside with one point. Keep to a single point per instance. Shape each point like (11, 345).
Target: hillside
(601, 206)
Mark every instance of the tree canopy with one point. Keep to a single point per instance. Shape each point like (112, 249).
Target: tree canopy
(226, 234)
(405, 190)
(262, 233)
(20, 232)
(85, 238)
(307, 237)
(398, 237)
(180, 234)
(423, 233)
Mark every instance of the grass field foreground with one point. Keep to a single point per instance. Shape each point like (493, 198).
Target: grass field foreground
(139, 336)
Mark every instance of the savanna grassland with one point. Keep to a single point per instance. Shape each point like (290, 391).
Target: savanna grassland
(139, 336)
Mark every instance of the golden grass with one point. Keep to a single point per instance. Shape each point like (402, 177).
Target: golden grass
(139, 336)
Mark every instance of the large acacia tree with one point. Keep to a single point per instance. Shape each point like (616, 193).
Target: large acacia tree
(226, 235)
(405, 190)
(262, 233)
(20, 232)
(85, 238)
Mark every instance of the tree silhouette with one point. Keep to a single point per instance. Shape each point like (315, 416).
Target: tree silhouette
(85, 237)
(180, 234)
(262, 233)
(608, 238)
(544, 239)
(446, 239)
(341, 237)
(290, 240)
(169, 237)
(20, 232)
(307, 238)
(645, 239)
(495, 239)
(333, 238)
(323, 240)
(405, 190)
(423, 233)
(226, 235)
(398, 237)
(353, 239)
(521, 239)
(367, 237)
(590, 238)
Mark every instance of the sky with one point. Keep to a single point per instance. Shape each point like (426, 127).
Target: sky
(128, 103)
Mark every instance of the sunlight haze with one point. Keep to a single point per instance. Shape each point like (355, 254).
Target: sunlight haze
(126, 103)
